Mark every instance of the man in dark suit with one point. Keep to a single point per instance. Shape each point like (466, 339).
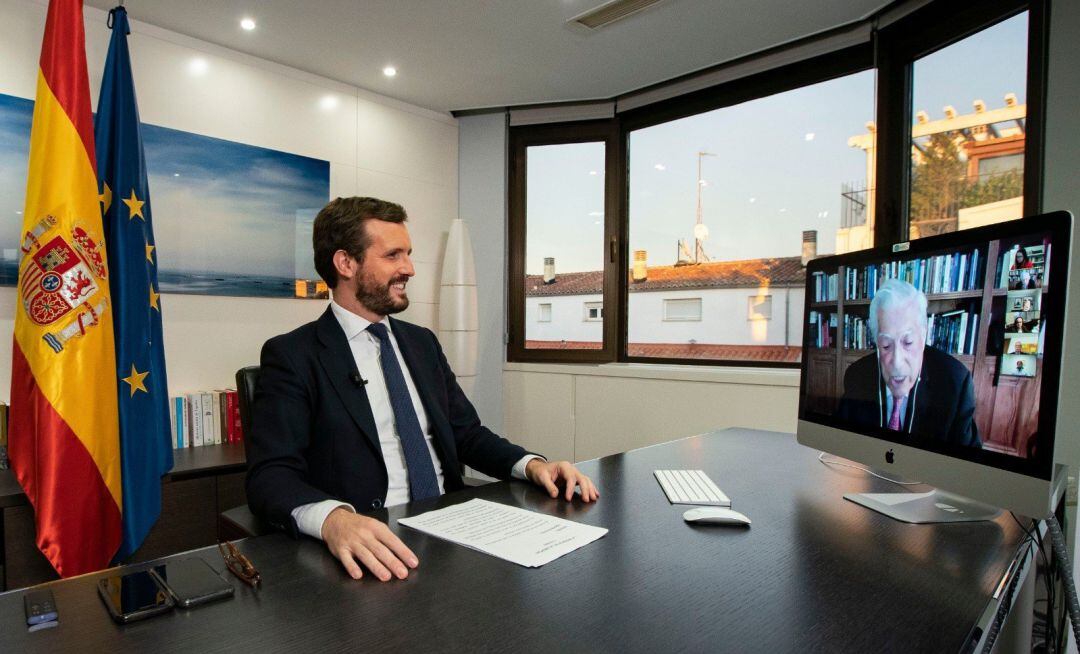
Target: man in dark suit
(906, 385)
(357, 411)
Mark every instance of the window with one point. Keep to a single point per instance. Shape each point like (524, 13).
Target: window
(682, 310)
(729, 202)
(759, 307)
(968, 134)
(559, 230)
(706, 205)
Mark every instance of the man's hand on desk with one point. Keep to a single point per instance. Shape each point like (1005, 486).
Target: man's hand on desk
(351, 538)
(550, 474)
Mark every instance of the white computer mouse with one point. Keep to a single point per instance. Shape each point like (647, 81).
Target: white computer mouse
(715, 515)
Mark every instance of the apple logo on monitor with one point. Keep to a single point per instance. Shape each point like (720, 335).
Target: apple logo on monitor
(889, 456)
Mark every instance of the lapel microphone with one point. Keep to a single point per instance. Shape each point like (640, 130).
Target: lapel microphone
(357, 379)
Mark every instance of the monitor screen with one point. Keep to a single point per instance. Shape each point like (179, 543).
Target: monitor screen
(949, 345)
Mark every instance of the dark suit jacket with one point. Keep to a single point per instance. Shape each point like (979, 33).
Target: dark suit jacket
(313, 436)
(943, 409)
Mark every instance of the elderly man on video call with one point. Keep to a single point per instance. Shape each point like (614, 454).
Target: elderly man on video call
(357, 410)
(905, 385)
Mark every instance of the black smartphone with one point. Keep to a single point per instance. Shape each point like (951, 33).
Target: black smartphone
(134, 596)
(192, 582)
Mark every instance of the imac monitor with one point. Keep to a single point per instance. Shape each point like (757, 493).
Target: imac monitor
(939, 360)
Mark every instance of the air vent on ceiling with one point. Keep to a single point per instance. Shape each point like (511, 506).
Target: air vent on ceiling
(609, 12)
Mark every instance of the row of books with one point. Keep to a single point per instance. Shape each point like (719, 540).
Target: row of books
(945, 273)
(822, 329)
(205, 418)
(954, 332)
(825, 286)
(857, 333)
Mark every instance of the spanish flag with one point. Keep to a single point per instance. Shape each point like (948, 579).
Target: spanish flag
(64, 434)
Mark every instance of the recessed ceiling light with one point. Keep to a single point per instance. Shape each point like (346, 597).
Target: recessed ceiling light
(328, 102)
(809, 136)
(248, 24)
(660, 167)
(198, 66)
(176, 174)
(594, 173)
(389, 71)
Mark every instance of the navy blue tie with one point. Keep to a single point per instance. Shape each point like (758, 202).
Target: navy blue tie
(422, 481)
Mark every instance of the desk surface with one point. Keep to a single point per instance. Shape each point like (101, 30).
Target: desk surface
(814, 573)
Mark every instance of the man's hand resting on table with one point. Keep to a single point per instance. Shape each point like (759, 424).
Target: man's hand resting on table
(549, 475)
(351, 538)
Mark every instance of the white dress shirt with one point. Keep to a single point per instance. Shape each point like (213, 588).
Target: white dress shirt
(365, 350)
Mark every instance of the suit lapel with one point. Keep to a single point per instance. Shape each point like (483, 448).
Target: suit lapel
(336, 359)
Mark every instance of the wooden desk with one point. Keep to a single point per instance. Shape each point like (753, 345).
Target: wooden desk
(813, 573)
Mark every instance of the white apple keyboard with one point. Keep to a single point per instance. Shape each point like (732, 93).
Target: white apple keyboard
(690, 487)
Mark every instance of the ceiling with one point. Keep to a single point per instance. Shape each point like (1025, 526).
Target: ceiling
(471, 54)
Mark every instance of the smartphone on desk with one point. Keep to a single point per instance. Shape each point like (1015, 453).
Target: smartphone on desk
(192, 581)
(134, 596)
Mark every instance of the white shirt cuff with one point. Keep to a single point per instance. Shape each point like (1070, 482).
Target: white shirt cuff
(310, 517)
(518, 471)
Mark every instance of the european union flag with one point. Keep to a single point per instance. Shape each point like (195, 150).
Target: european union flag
(145, 447)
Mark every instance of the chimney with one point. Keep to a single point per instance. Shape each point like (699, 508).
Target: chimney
(809, 245)
(549, 270)
(640, 273)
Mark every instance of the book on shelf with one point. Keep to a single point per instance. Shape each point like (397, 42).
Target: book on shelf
(822, 329)
(195, 417)
(944, 273)
(857, 333)
(210, 436)
(825, 286)
(954, 332)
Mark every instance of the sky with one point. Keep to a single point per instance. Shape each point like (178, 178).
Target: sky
(780, 164)
(217, 206)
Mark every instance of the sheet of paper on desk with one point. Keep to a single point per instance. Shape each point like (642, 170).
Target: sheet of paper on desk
(524, 537)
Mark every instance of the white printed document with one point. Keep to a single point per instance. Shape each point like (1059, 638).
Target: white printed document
(524, 537)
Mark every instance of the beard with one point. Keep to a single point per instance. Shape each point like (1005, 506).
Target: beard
(377, 298)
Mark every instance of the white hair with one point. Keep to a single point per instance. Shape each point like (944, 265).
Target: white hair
(894, 293)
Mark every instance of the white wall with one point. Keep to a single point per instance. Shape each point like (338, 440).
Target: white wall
(376, 146)
(481, 175)
(1060, 191)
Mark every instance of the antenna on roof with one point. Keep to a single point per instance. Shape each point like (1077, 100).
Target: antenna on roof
(701, 232)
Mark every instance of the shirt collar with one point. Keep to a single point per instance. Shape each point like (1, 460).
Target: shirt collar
(352, 324)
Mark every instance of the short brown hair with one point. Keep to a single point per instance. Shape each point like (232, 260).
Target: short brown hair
(340, 226)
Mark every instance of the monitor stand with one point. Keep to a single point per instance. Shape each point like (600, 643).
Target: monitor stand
(922, 508)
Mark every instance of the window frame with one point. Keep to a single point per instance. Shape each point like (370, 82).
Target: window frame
(520, 140)
(540, 311)
(891, 53)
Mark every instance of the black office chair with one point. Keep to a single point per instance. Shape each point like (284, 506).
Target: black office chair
(240, 522)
